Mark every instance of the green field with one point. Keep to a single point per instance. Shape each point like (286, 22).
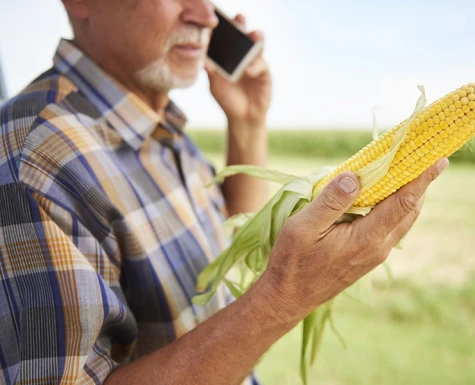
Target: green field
(420, 329)
(313, 143)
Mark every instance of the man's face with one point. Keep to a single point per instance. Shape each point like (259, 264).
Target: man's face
(162, 42)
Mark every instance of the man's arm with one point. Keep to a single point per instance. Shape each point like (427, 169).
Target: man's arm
(60, 298)
(312, 262)
(222, 350)
(246, 145)
(245, 104)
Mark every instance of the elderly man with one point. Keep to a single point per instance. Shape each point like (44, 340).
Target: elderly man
(105, 223)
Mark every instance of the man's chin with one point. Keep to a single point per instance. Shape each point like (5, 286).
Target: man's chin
(185, 78)
(160, 77)
(184, 81)
(167, 84)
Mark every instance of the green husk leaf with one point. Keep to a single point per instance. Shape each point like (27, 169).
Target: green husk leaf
(233, 288)
(254, 260)
(336, 332)
(372, 173)
(308, 329)
(313, 328)
(244, 242)
(301, 190)
(389, 275)
(256, 233)
(323, 315)
(202, 299)
(258, 172)
(235, 222)
(244, 273)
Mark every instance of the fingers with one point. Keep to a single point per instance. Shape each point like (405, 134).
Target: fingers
(333, 201)
(211, 70)
(210, 67)
(256, 69)
(259, 66)
(403, 228)
(241, 19)
(389, 214)
(254, 35)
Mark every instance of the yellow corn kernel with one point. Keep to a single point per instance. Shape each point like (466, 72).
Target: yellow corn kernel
(437, 131)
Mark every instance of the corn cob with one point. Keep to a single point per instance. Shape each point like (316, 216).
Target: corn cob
(436, 132)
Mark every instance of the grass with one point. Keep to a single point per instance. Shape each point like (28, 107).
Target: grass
(313, 143)
(412, 334)
(421, 330)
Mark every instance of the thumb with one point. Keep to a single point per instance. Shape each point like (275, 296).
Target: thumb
(334, 200)
(210, 68)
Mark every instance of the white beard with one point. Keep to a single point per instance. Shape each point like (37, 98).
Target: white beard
(158, 75)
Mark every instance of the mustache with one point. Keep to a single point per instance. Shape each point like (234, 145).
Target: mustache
(189, 35)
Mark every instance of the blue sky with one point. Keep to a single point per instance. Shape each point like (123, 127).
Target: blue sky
(333, 61)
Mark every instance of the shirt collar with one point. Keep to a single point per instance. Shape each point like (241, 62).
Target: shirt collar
(125, 111)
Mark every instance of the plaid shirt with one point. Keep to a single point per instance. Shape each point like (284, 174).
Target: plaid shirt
(105, 224)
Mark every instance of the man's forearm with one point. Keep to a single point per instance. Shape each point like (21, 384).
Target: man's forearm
(222, 350)
(246, 145)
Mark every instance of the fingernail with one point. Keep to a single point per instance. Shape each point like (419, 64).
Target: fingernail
(347, 184)
(443, 164)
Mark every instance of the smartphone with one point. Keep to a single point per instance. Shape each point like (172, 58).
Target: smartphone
(230, 48)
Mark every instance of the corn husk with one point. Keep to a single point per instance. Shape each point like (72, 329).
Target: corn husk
(255, 235)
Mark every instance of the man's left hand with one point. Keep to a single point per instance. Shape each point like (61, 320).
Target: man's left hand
(247, 101)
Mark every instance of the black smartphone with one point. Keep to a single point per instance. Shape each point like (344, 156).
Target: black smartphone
(230, 48)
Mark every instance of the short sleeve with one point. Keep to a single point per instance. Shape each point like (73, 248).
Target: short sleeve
(63, 316)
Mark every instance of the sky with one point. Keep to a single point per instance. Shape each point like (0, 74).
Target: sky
(332, 61)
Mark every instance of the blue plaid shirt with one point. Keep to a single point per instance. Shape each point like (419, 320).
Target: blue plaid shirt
(105, 224)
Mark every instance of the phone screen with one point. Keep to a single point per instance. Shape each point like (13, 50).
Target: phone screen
(228, 45)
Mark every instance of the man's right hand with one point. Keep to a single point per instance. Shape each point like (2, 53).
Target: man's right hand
(313, 259)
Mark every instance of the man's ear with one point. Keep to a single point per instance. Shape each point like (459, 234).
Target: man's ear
(78, 9)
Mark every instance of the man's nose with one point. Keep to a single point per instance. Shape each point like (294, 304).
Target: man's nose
(201, 13)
